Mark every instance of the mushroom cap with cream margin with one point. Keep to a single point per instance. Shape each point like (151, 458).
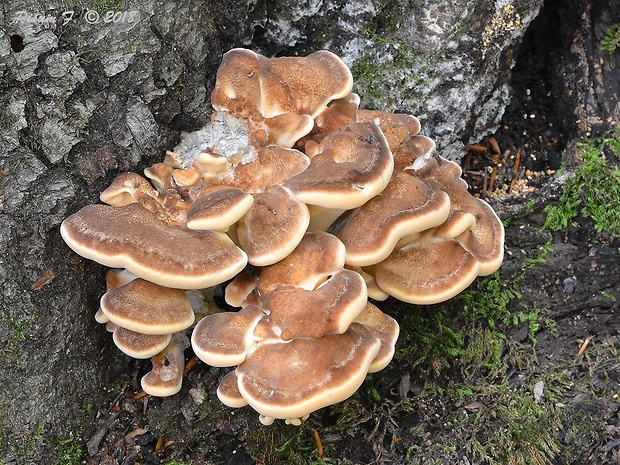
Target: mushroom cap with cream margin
(217, 208)
(248, 83)
(273, 226)
(289, 380)
(166, 377)
(148, 308)
(352, 165)
(406, 206)
(134, 238)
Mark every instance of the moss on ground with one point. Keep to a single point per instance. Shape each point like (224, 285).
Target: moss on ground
(593, 189)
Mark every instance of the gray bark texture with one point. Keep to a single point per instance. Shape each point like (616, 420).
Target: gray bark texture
(86, 95)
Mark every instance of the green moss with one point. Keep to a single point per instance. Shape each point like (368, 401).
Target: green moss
(11, 349)
(68, 451)
(611, 41)
(281, 443)
(26, 446)
(593, 191)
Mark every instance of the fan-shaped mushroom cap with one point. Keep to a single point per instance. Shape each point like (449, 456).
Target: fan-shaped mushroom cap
(414, 155)
(353, 165)
(127, 188)
(328, 309)
(397, 127)
(228, 391)
(224, 339)
(406, 206)
(291, 379)
(138, 345)
(338, 114)
(240, 288)
(273, 227)
(166, 377)
(302, 85)
(383, 327)
(148, 308)
(317, 256)
(485, 241)
(427, 273)
(237, 84)
(134, 238)
(217, 208)
(273, 165)
(160, 175)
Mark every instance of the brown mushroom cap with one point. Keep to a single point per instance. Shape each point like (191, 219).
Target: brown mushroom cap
(427, 273)
(134, 238)
(397, 127)
(273, 227)
(148, 308)
(317, 256)
(127, 188)
(228, 391)
(273, 165)
(138, 345)
(248, 84)
(224, 339)
(406, 206)
(166, 377)
(383, 327)
(353, 165)
(329, 309)
(485, 241)
(237, 85)
(238, 290)
(217, 208)
(414, 155)
(302, 85)
(292, 379)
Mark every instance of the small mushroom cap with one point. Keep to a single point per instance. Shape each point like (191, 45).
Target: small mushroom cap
(148, 308)
(414, 155)
(397, 127)
(138, 345)
(127, 188)
(428, 273)
(329, 309)
(317, 256)
(237, 85)
(485, 241)
(217, 208)
(228, 391)
(273, 165)
(134, 238)
(273, 227)
(353, 165)
(224, 339)
(383, 327)
(338, 114)
(406, 206)
(240, 288)
(292, 379)
(166, 377)
(283, 130)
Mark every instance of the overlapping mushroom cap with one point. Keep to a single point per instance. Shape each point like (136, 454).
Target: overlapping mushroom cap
(287, 156)
(309, 340)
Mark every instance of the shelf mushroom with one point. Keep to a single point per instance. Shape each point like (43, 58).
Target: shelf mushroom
(286, 156)
(310, 340)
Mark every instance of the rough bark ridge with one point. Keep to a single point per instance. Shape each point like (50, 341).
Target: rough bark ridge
(87, 95)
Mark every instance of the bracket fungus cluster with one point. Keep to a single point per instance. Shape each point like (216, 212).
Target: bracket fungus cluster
(303, 206)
